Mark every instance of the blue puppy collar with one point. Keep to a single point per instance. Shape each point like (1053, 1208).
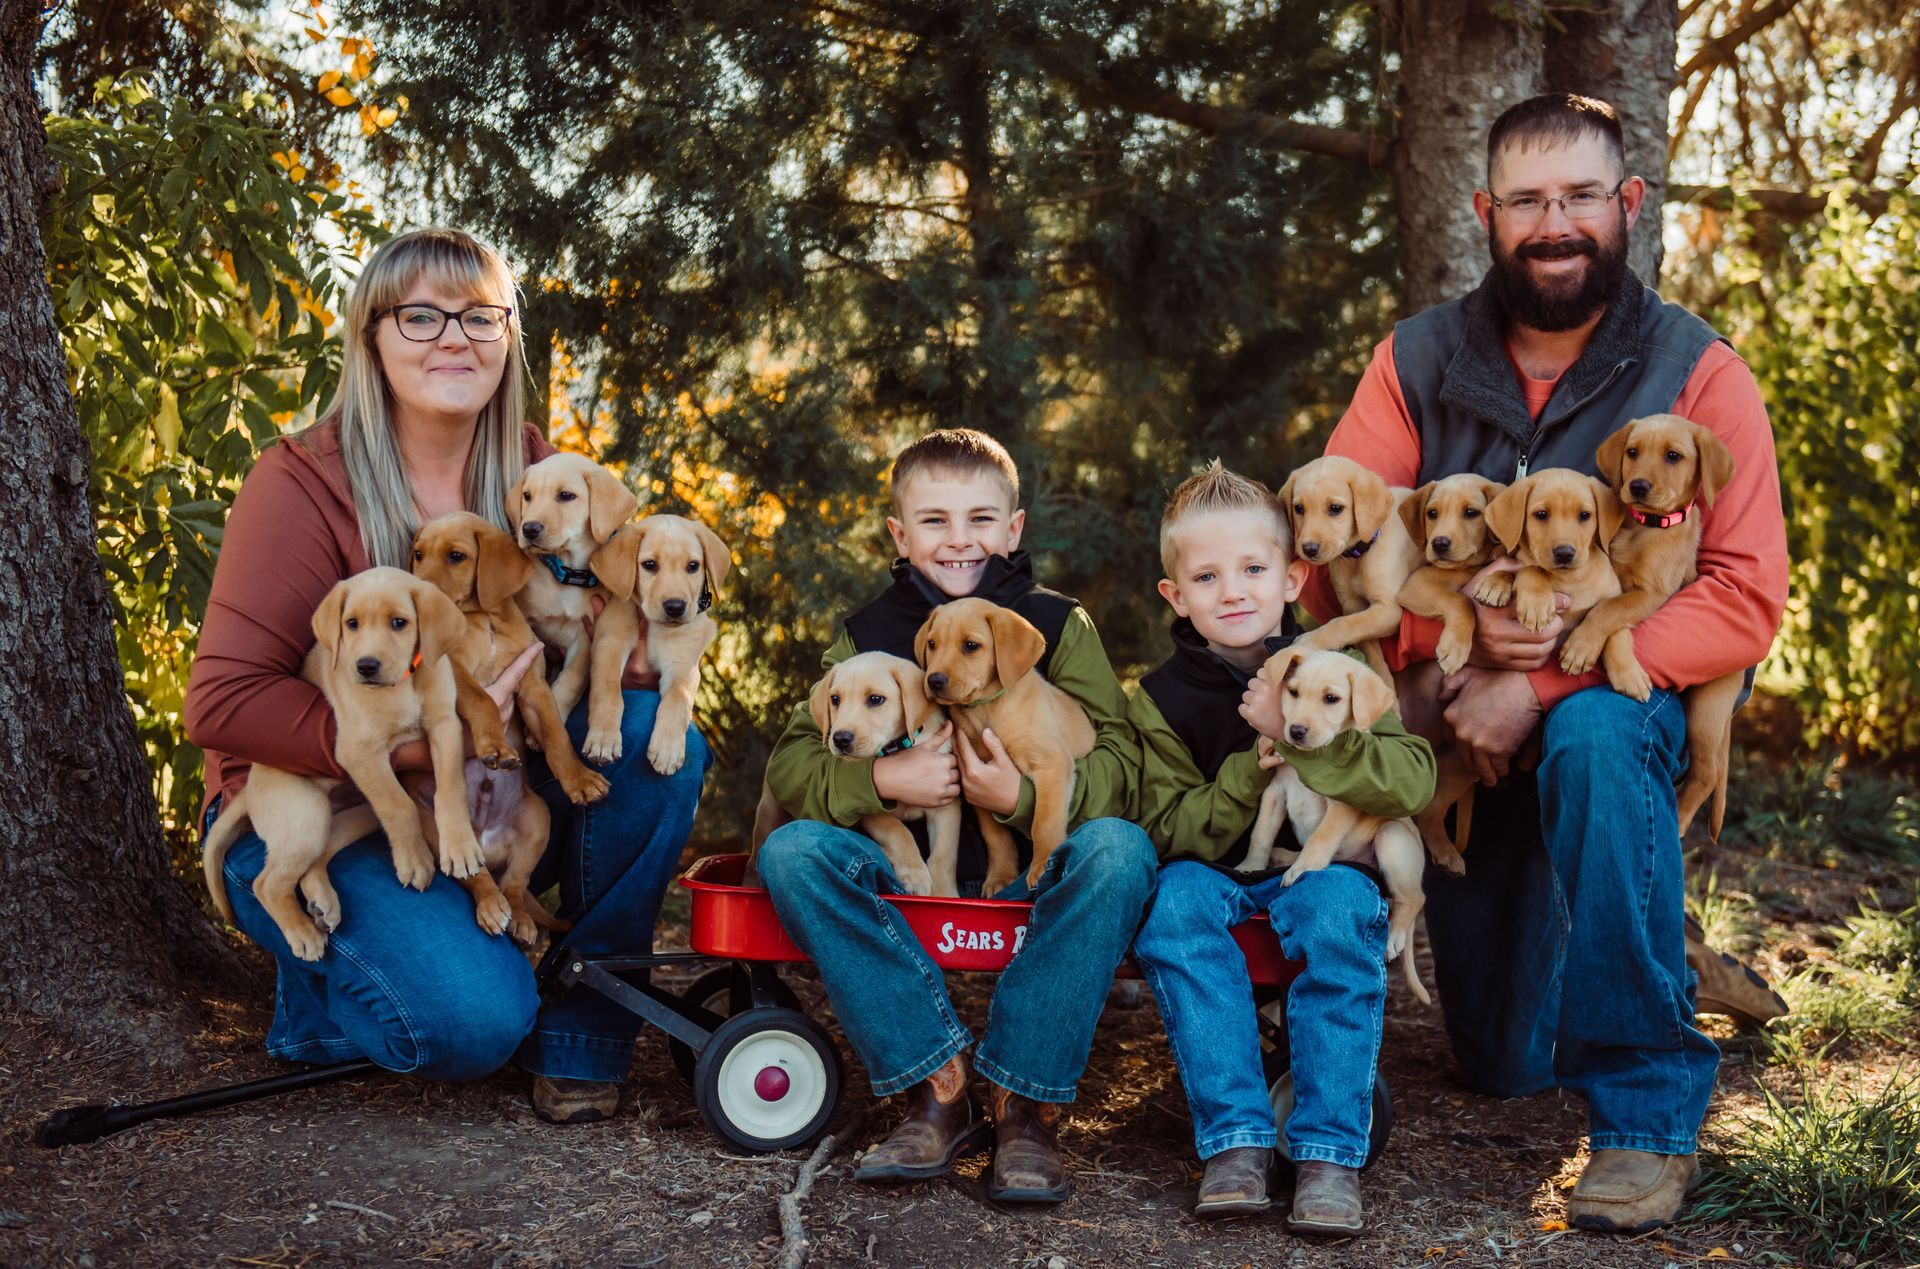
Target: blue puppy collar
(569, 576)
(1359, 549)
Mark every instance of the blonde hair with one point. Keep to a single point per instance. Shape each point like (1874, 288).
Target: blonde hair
(1217, 489)
(959, 452)
(383, 500)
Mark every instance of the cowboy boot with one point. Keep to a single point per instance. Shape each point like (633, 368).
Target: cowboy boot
(941, 1124)
(1026, 1155)
(1235, 1183)
(1326, 1199)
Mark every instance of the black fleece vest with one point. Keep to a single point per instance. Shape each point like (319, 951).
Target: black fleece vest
(1460, 387)
(894, 617)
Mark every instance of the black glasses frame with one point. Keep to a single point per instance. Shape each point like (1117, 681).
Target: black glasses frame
(447, 315)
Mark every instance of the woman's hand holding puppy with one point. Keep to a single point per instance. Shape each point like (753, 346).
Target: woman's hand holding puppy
(921, 776)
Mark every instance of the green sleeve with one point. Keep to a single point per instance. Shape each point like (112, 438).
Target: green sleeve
(1103, 781)
(1184, 812)
(809, 782)
(1385, 771)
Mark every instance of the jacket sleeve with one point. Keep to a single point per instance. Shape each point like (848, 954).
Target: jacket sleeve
(278, 560)
(807, 780)
(1184, 812)
(1104, 780)
(1385, 770)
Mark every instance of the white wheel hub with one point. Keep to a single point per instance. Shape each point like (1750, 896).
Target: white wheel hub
(771, 1084)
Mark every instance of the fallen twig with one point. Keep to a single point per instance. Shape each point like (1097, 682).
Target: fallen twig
(793, 1232)
(364, 1211)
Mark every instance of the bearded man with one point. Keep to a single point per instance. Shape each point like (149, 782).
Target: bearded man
(1562, 956)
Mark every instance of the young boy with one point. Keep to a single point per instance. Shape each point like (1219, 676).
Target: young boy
(957, 524)
(1230, 571)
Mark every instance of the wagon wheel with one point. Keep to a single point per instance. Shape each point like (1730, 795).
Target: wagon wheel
(713, 991)
(767, 1080)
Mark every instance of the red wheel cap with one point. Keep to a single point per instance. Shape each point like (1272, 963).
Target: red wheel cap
(771, 1084)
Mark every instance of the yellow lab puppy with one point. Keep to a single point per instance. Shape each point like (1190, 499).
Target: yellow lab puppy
(1343, 519)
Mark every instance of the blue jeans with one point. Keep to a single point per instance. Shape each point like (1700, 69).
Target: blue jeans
(1574, 878)
(891, 999)
(412, 982)
(1336, 921)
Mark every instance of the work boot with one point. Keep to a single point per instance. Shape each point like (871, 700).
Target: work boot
(1326, 1199)
(1727, 986)
(941, 1125)
(1631, 1191)
(1236, 1183)
(1026, 1153)
(563, 1101)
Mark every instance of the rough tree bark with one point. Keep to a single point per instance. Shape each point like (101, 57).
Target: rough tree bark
(96, 935)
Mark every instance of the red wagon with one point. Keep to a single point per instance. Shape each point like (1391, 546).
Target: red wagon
(766, 1076)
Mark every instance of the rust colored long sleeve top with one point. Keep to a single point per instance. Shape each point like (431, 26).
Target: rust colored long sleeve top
(291, 535)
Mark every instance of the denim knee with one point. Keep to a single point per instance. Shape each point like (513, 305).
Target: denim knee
(1594, 724)
(1116, 856)
(796, 851)
(1187, 898)
(481, 1036)
(1334, 908)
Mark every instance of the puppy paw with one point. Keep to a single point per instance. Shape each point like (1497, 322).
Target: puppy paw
(413, 864)
(1631, 680)
(1291, 875)
(493, 913)
(325, 913)
(1535, 612)
(997, 880)
(602, 746)
(1495, 590)
(1034, 873)
(583, 786)
(1450, 860)
(916, 880)
(1396, 943)
(667, 750)
(309, 944)
(462, 859)
(1580, 651)
(1452, 651)
(522, 929)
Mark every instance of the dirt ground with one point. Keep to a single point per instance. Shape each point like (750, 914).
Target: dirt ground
(392, 1170)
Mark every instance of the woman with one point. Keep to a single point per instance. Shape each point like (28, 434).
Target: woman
(427, 421)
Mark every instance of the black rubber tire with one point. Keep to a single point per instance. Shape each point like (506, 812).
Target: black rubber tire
(713, 991)
(1279, 1073)
(794, 1029)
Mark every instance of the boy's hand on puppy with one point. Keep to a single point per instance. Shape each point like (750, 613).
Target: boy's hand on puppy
(921, 776)
(1263, 750)
(993, 782)
(1260, 706)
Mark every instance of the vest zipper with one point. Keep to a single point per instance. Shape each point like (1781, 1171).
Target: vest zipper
(1526, 452)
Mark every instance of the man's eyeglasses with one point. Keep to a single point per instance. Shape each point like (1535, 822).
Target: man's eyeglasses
(423, 323)
(1585, 204)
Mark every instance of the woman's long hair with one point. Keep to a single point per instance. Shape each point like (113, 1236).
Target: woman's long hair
(459, 264)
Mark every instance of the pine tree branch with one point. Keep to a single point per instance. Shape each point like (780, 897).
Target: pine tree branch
(1720, 49)
(1786, 204)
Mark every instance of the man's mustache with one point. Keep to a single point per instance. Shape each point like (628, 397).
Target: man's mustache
(1565, 249)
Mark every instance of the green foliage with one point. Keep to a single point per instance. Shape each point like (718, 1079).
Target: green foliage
(1820, 811)
(191, 274)
(1726, 919)
(1867, 989)
(1826, 315)
(1839, 1173)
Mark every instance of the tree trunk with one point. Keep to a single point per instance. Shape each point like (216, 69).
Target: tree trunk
(95, 933)
(1460, 67)
(1622, 52)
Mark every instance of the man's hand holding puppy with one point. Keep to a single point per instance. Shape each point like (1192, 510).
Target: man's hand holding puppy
(921, 776)
(991, 783)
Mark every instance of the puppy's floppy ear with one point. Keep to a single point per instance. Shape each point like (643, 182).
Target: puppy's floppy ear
(326, 622)
(501, 570)
(1017, 646)
(1370, 697)
(1372, 504)
(515, 500)
(718, 558)
(1507, 514)
(821, 703)
(610, 503)
(1489, 489)
(1610, 512)
(1716, 463)
(920, 637)
(1413, 513)
(915, 705)
(1285, 498)
(1612, 450)
(1281, 665)
(441, 623)
(617, 562)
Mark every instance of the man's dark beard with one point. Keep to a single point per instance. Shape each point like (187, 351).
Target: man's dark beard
(1527, 304)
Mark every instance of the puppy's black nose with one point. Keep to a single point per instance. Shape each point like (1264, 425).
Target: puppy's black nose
(1310, 549)
(531, 530)
(367, 666)
(1443, 545)
(675, 608)
(1563, 555)
(843, 741)
(1640, 488)
(1297, 732)
(936, 683)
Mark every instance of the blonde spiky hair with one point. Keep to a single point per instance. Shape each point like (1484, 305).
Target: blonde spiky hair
(1213, 489)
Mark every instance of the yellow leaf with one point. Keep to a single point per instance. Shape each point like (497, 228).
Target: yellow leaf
(315, 35)
(387, 116)
(1718, 1253)
(349, 46)
(327, 81)
(317, 196)
(362, 66)
(340, 97)
(1552, 1227)
(166, 424)
(284, 159)
(321, 18)
(1432, 1252)
(297, 173)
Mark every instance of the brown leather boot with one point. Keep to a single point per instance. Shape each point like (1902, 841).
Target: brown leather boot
(1631, 1191)
(941, 1125)
(1326, 1199)
(565, 1101)
(1235, 1183)
(1727, 986)
(1026, 1153)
